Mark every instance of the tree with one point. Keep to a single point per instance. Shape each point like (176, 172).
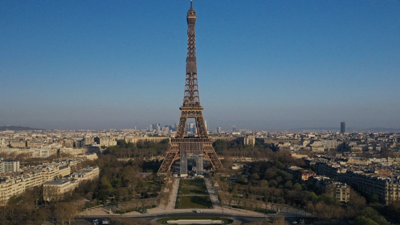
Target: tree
(356, 203)
(264, 183)
(362, 220)
(310, 207)
(270, 173)
(273, 183)
(220, 145)
(380, 220)
(373, 198)
(328, 199)
(235, 192)
(324, 211)
(59, 213)
(372, 214)
(278, 165)
(338, 212)
(297, 187)
(3, 213)
(369, 212)
(42, 215)
(254, 177)
(242, 179)
(288, 184)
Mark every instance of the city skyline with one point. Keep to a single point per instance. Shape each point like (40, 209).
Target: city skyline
(273, 66)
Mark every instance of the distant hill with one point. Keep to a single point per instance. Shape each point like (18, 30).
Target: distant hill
(383, 129)
(349, 129)
(316, 128)
(17, 128)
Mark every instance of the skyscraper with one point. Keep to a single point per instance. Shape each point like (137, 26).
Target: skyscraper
(219, 130)
(342, 127)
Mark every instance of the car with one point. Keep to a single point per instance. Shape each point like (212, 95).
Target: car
(198, 211)
(294, 222)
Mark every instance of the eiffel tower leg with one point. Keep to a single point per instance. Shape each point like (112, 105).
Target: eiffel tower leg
(211, 155)
(199, 164)
(183, 165)
(172, 155)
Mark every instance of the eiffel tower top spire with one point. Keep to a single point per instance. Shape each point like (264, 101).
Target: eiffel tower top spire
(191, 96)
(191, 14)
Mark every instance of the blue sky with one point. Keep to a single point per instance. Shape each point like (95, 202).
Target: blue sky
(264, 65)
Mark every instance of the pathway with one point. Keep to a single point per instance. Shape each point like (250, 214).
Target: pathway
(174, 193)
(213, 195)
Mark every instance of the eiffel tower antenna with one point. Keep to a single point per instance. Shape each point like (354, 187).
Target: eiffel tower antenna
(195, 147)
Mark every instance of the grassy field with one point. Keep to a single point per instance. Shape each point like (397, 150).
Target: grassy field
(192, 194)
(164, 220)
(193, 202)
(192, 187)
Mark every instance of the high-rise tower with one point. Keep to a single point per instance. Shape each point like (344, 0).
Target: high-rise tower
(343, 127)
(198, 145)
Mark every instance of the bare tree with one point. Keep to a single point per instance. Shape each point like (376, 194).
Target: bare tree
(65, 212)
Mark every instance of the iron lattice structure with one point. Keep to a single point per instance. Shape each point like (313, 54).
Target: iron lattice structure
(201, 144)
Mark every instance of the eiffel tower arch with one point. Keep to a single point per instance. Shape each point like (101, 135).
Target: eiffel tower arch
(198, 146)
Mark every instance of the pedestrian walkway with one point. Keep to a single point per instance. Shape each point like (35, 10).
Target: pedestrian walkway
(174, 193)
(213, 195)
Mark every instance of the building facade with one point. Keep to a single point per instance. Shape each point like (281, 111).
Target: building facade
(9, 165)
(343, 127)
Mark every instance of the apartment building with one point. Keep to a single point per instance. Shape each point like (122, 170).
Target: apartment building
(18, 144)
(368, 182)
(9, 165)
(87, 174)
(16, 183)
(10, 187)
(341, 191)
(386, 187)
(56, 189)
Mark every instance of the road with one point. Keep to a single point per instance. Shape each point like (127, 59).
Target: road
(237, 217)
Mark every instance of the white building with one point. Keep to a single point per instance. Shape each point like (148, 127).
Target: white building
(9, 165)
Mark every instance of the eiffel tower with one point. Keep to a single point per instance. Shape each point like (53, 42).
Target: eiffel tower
(196, 146)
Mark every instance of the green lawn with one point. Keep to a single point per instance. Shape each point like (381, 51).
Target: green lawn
(192, 187)
(198, 199)
(193, 202)
(164, 220)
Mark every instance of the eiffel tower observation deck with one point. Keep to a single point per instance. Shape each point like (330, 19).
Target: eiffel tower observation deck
(198, 146)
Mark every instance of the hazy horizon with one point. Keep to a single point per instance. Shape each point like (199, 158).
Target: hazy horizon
(262, 65)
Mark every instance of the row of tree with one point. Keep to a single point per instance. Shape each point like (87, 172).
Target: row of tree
(142, 149)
